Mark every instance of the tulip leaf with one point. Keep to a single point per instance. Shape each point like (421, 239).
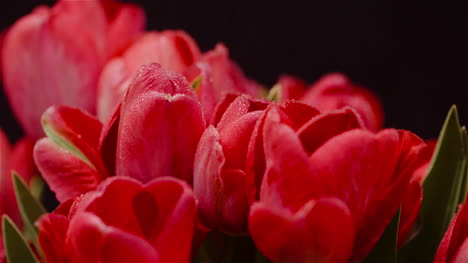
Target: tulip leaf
(197, 82)
(443, 189)
(385, 251)
(16, 247)
(30, 208)
(275, 93)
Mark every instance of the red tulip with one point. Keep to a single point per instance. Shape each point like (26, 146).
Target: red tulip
(335, 91)
(161, 122)
(229, 161)
(18, 159)
(55, 55)
(220, 76)
(174, 50)
(123, 221)
(454, 245)
(333, 203)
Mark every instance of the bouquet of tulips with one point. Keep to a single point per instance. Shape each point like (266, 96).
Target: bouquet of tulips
(159, 152)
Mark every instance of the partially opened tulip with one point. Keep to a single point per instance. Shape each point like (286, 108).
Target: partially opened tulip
(123, 221)
(154, 134)
(161, 122)
(229, 161)
(55, 55)
(18, 159)
(307, 210)
(219, 76)
(335, 91)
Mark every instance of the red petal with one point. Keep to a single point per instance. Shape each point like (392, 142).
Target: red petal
(173, 231)
(208, 163)
(67, 175)
(322, 231)
(160, 125)
(222, 194)
(52, 237)
(285, 155)
(119, 246)
(323, 127)
(298, 113)
(292, 88)
(108, 141)
(220, 76)
(335, 91)
(369, 163)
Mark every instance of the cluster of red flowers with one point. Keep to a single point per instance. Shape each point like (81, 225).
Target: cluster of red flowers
(151, 144)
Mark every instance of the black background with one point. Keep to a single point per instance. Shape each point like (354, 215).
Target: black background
(413, 56)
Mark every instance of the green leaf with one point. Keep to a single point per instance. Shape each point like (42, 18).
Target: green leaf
(197, 82)
(385, 251)
(30, 208)
(275, 93)
(16, 248)
(442, 189)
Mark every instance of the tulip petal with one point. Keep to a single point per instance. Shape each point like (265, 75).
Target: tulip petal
(94, 241)
(53, 230)
(173, 232)
(298, 113)
(368, 162)
(292, 88)
(323, 127)
(54, 52)
(321, 231)
(160, 125)
(334, 91)
(127, 24)
(67, 175)
(284, 154)
(75, 131)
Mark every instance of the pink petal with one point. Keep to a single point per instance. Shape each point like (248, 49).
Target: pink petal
(160, 125)
(52, 57)
(113, 83)
(174, 50)
(127, 24)
(67, 175)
